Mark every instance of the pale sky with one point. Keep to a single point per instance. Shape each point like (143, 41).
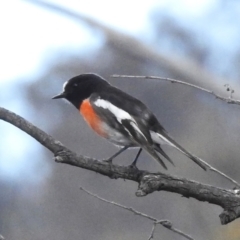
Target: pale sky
(29, 32)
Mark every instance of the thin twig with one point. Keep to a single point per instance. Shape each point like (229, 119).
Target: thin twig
(228, 100)
(121, 206)
(211, 168)
(151, 236)
(167, 224)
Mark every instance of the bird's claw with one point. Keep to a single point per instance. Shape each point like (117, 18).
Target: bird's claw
(133, 166)
(109, 160)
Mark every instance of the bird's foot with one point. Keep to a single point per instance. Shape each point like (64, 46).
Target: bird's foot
(133, 166)
(109, 160)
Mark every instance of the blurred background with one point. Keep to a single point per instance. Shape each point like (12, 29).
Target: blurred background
(44, 43)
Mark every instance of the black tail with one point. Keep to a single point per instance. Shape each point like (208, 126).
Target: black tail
(163, 136)
(185, 152)
(158, 148)
(152, 152)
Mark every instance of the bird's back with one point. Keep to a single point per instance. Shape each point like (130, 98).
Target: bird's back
(130, 104)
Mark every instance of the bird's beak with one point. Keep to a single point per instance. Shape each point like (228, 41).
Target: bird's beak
(61, 95)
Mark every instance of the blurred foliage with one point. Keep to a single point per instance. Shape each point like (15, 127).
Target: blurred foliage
(230, 231)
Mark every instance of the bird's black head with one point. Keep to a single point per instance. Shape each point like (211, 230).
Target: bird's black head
(81, 87)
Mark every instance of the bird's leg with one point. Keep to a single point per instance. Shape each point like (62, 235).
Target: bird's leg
(133, 164)
(109, 160)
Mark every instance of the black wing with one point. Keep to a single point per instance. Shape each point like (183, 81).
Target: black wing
(124, 113)
(133, 106)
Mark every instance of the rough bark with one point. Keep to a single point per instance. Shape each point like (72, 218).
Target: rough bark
(148, 182)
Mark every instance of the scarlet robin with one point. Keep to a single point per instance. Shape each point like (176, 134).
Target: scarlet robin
(120, 118)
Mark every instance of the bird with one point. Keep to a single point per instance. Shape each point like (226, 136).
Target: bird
(120, 118)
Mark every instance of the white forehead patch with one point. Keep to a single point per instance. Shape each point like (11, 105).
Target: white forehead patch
(64, 85)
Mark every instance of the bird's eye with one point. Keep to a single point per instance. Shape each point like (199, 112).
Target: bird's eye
(75, 84)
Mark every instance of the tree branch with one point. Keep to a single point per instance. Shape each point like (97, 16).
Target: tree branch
(151, 236)
(148, 182)
(165, 223)
(228, 100)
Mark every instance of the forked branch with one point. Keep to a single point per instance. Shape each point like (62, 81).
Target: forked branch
(165, 223)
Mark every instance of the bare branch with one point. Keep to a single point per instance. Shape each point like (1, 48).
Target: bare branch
(121, 206)
(167, 224)
(1, 237)
(161, 182)
(151, 236)
(213, 169)
(228, 100)
(148, 182)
